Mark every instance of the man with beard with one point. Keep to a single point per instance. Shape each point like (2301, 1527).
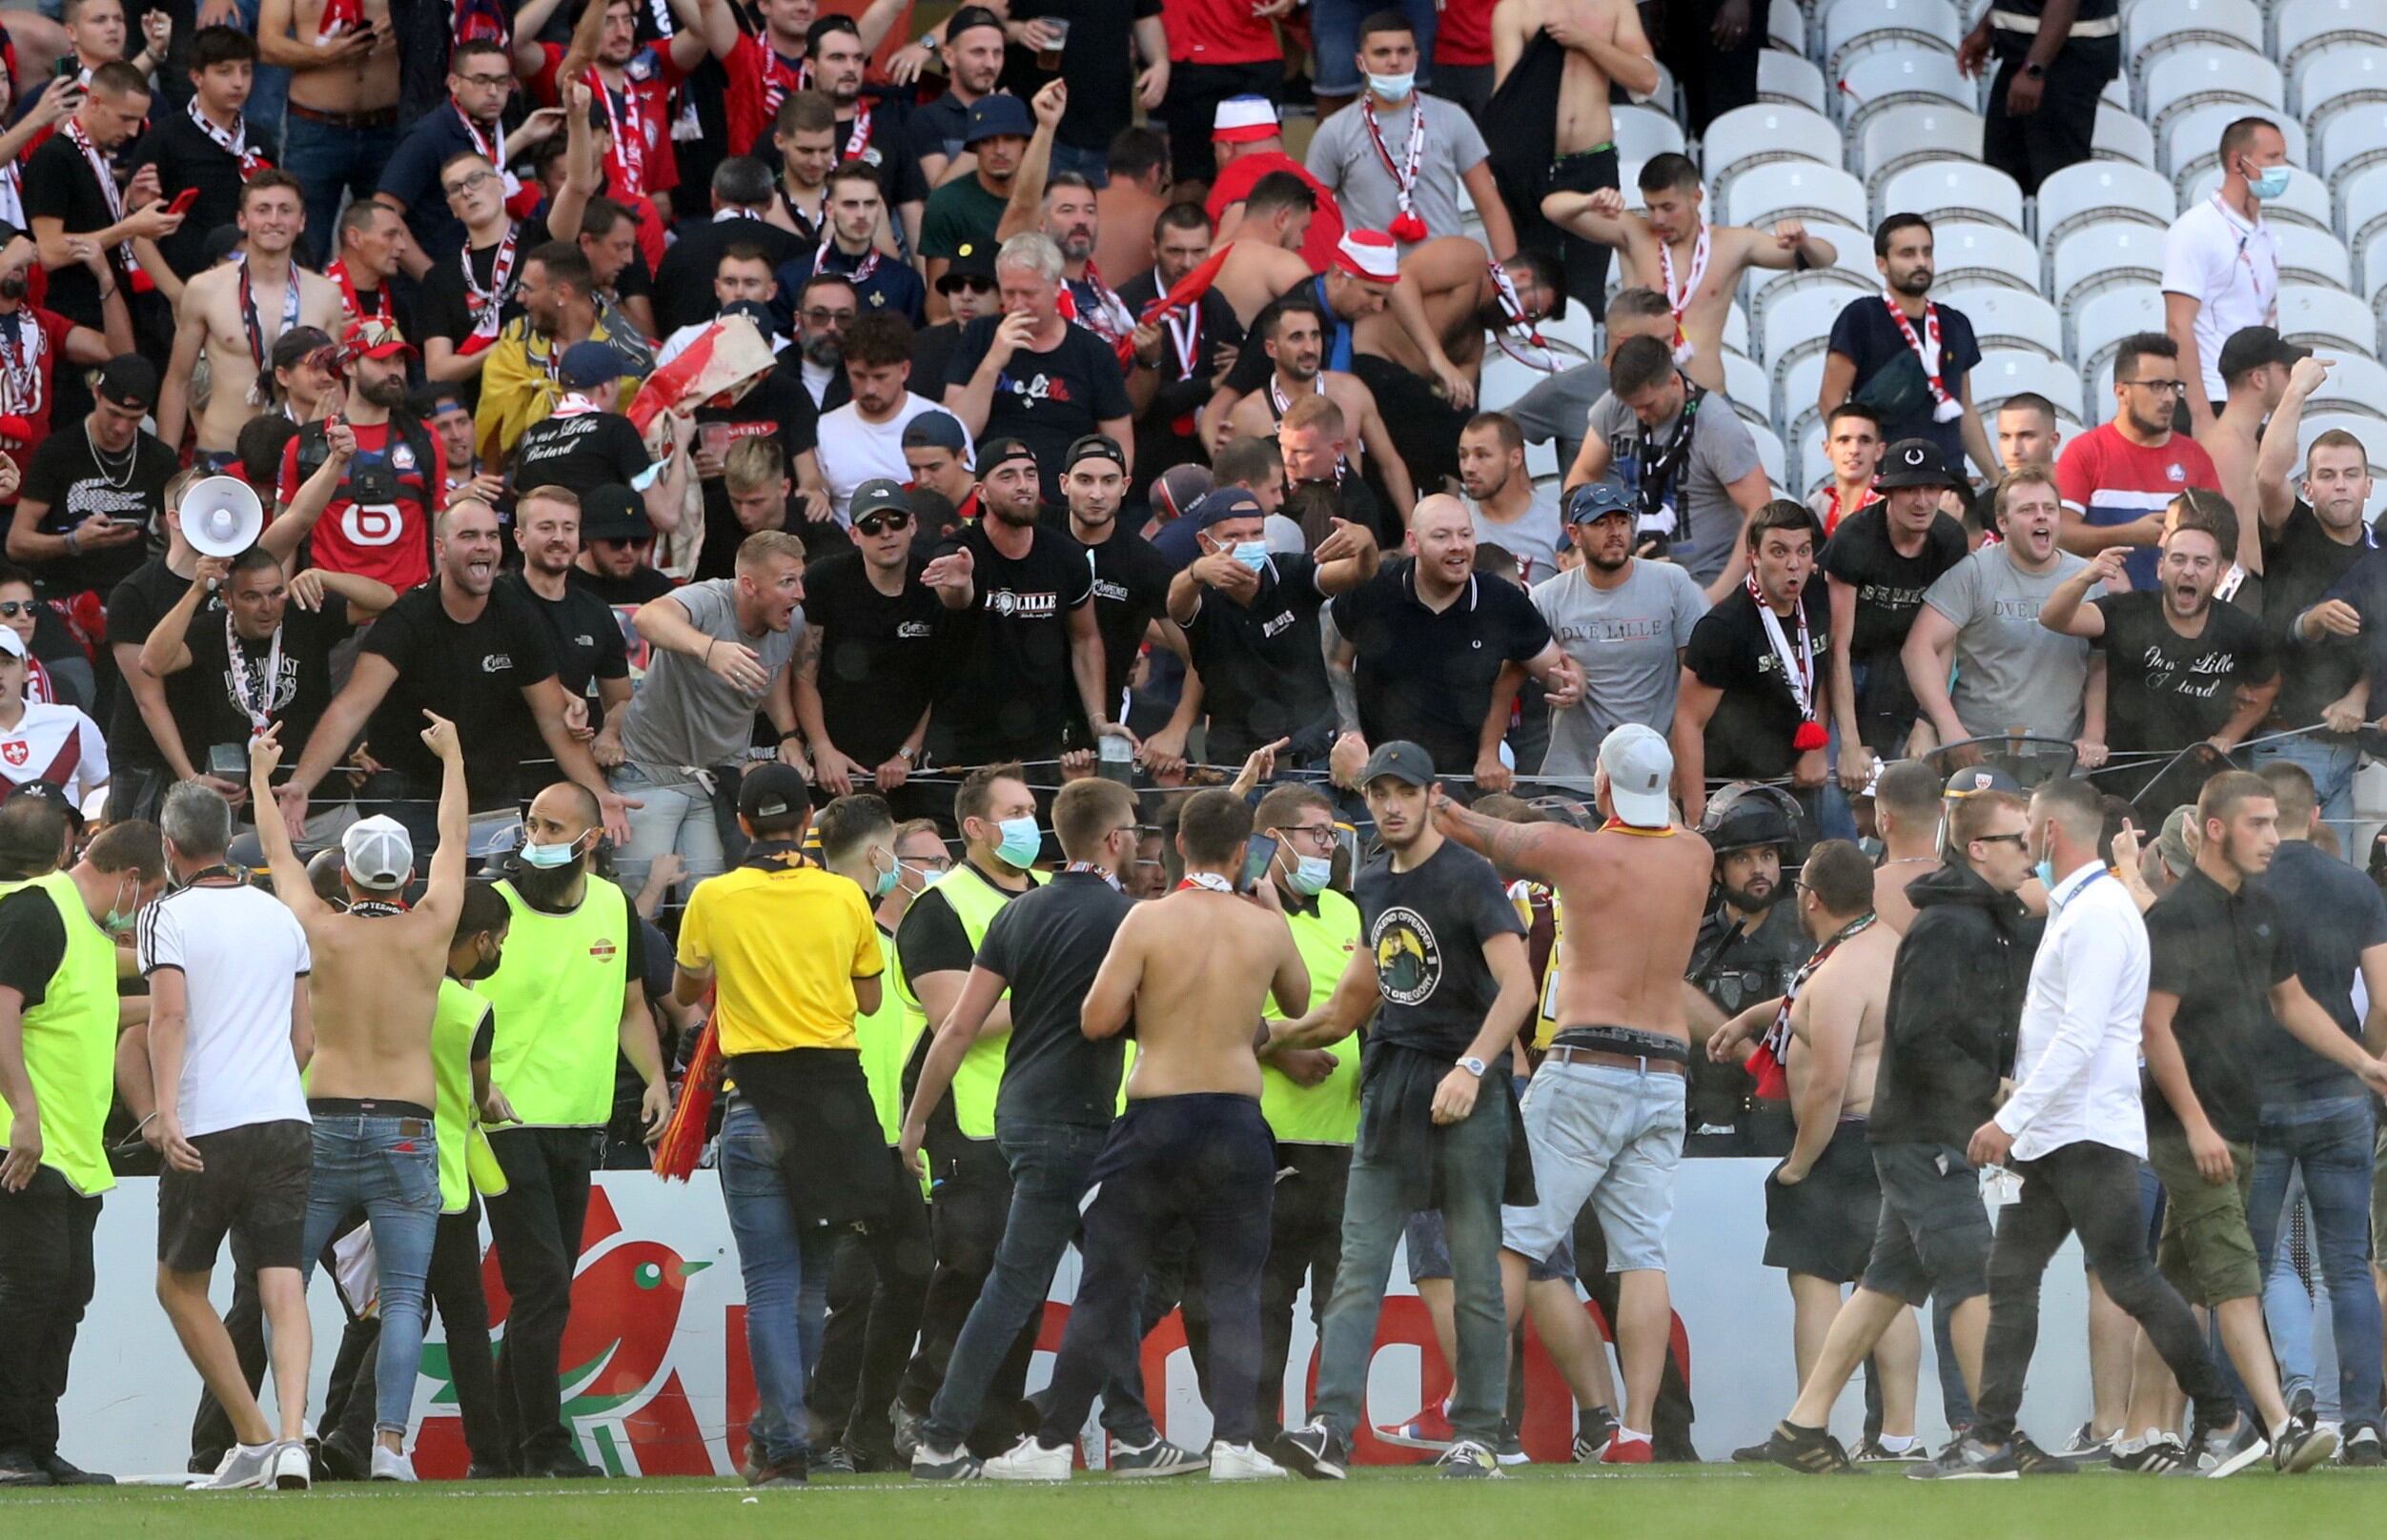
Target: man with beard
(456, 643)
(1754, 677)
(857, 246)
(1294, 342)
(1130, 591)
(1357, 285)
(971, 45)
(591, 662)
(1623, 621)
(2117, 478)
(826, 304)
(569, 998)
(866, 668)
(764, 69)
(1881, 563)
(1905, 356)
(863, 440)
(1509, 511)
(1033, 375)
(617, 545)
(379, 523)
(1750, 944)
(868, 130)
(1178, 356)
(2322, 609)
(966, 211)
(1976, 656)
(518, 383)
(371, 1083)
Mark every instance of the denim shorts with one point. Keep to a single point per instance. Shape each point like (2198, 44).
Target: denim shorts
(1611, 1137)
(1430, 1252)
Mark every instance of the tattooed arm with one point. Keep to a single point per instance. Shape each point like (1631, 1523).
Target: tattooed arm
(1517, 850)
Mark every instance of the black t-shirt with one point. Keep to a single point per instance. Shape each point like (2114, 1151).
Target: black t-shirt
(135, 607)
(888, 152)
(1889, 590)
(932, 357)
(644, 584)
(1751, 733)
(32, 944)
(186, 157)
(1889, 378)
(58, 184)
(472, 674)
(936, 128)
(2220, 953)
(302, 686)
(2334, 914)
(583, 635)
(580, 453)
(1263, 675)
(878, 662)
(1050, 944)
(446, 307)
(1007, 687)
(2300, 565)
(1048, 400)
(779, 406)
(71, 482)
(929, 938)
(1130, 591)
(2165, 691)
(1426, 928)
(1102, 85)
(1425, 676)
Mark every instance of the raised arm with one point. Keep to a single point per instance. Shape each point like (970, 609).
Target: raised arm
(2065, 611)
(2276, 461)
(281, 860)
(166, 650)
(1529, 851)
(444, 895)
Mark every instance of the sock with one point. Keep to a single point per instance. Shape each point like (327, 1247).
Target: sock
(1625, 1436)
(1896, 1445)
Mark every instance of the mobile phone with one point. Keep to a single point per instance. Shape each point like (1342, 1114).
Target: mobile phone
(68, 67)
(183, 201)
(1258, 852)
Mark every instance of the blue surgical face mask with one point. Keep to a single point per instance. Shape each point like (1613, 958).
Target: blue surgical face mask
(2272, 183)
(1393, 87)
(1311, 875)
(2046, 870)
(1252, 554)
(547, 857)
(119, 921)
(887, 878)
(1020, 844)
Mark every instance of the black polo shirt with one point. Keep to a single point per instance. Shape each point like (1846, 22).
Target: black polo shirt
(936, 128)
(1263, 675)
(588, 641)
(878, 664)
(1050, 944)
(2220, 954)
(1426, 676)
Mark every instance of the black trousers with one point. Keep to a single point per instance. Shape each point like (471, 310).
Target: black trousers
(2092, 1188)
(46, 1281)
(1189, 109)
(211, 1430)
(1714, 80)
(966, 1218)
(878, 1287)
(2060, 134)
(454, 1287)
(537, 1224)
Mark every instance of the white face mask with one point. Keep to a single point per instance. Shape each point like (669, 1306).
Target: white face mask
(1393, 87)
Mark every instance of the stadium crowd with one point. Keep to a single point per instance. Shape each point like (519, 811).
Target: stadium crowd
(597, 586)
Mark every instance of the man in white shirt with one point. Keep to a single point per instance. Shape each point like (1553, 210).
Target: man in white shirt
(863, 440)
(227, 966)
(2075, 1131)
(2221, 264)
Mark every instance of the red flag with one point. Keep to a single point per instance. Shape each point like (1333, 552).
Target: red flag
(1188, 292)
(683, 1139)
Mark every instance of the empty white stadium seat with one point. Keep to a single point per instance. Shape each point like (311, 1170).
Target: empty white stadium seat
(2191, 141)
(2097, 256)
(1755, 136)
(1801, 323)
(2311, 256)
(2303, 28)
(1770, 454)
(1975, 251)
(2100, 191)
(2306, 201)
(2006, 317)
(1795, 189)
(1643, 132)
(2189, 77)
(2354, 384)
(2350, 141)
(1789, 78)
(2372, 254)
(1802, 384)
(1503, 380)
(2119, 137)
(2334, 79)
(1745, 381)
(2100, 324)
(2150, 31)
(1879, 81)
(1940, 189)
(1814, 466)
(1904, 137)
(1785, 29)
(2328, 319)
(2010, 371)
(1852, 263)
(1855, 27)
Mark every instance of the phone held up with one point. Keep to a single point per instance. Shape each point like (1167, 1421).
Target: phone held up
(1258, 851)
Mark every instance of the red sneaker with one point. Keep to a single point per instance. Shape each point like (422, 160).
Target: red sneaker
(1626, 1451)
(1429, 1430)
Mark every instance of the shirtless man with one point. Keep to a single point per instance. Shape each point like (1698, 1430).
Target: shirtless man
(1822, 1203)
(1264, 252)
(1446, 303)
(1673, 249)
(1298, 345)
(1189, 974)
(1906, 815)
(371, 1088)
(343, 99)
(1604, 1114)
(237, 313)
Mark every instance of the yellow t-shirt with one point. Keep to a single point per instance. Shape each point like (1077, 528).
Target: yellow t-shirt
(785, 947)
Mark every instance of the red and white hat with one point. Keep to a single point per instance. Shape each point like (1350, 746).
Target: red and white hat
(1369, 255)
(1243, 119)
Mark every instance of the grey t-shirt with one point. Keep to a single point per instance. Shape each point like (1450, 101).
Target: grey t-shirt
(1626, 640)
(1342, 154)
(1533, 537)
(1706, 522)
(683, 713)
(2010, 670)
(1555, 409)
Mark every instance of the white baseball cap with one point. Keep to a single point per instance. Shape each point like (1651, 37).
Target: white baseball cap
(12, 644)
(1639, 768)
(378, 853)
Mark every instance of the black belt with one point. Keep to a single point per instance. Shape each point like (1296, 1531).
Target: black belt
(383, 117)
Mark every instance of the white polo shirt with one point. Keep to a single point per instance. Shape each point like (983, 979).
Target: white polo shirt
(2231, 269)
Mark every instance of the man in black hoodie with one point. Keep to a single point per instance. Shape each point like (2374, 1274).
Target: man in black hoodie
(1955, 1000)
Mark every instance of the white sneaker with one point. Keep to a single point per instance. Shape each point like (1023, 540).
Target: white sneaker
(391, 1465)
(246, 1467)
(1029, 1460)
(1241, 1462)
(292, 1471)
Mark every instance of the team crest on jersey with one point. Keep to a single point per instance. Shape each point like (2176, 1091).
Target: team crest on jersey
(15, 753)
(401, 456)
(2175, 473)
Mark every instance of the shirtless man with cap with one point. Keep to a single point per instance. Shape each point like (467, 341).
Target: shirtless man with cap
(371, 1090)
(1604, 1114)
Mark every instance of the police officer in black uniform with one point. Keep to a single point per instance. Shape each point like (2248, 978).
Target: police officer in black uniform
(1749, 946)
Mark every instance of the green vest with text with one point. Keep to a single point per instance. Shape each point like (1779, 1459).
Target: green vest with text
(558, 995)
(1327, 1113)
(71, 1045)
(975, 901)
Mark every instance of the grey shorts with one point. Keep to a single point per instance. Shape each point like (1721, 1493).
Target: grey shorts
(1610, 1137)
(1934, 1236)
(1430, 1252)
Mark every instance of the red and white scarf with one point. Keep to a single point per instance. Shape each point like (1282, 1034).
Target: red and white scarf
(629, 137)
(491, 148)
(486, 304)
(24, 373)
(106, 176)
(1406, 225)
(1798, 667)
(352, 307)
(1678, 300)
(1833, 512)
(1513, 310)
(1769, 1065)
(1185, 338)
(1944, 407)
(858, 137)
(234, 144)
(1110, 318)
(572, 403)
(859, 276)
(777, 80)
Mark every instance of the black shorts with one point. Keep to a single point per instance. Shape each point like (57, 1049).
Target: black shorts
(1824, 1225)
(1586, 170)
(1934, 1240)
(255, 1182)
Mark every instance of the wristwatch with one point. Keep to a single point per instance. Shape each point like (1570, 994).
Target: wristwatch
(1473, 1065)
(2036, 71)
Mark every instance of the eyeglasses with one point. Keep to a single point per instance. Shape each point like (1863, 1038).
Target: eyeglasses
(486, 82)
(828, 317)
(1320, 837)
(2168, 387)
(11, 608)
(928, 864)
(876, 523)
(2020, 842)
(467, 183)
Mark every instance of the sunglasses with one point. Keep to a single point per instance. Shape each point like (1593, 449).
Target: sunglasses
(11, 608)
(975, 286)
(877, 523)
(2018, 840)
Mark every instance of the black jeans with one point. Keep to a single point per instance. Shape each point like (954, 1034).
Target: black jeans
(1188, 110)
(972, 1197)
(2061, 132)
(46, 1280)
(1714, 80)
(2092, 1188)
(1670, 1438)
(537, 1224)
(878, 1287)
(453, 1286)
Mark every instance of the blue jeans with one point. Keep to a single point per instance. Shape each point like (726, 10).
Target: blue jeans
(1334, 40)
(2329, 1140)
(2288, 1305)
(390, 1169)
(328, 160)
(786, 1268)
(268, 96)
(1051, 1165)
(1094, 165)
(2331, 763)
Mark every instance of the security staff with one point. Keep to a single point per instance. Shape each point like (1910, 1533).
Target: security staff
(568, 994)
(464, 1032)
(57, 1063)
(1749, 946)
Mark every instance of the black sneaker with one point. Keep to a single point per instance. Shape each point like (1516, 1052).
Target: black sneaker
(18, 1469)
(1965, 1459)
(956, 1464)
(1469, 1461)
(1314, 1450)
(65, 1473)
(2225, 1452)
(2159, 1456)
(489, 1471)
(905, 1431)
(2300, 1407)
(2361, 1448)
(1874, 1451)
(2301, 1446)
(2086, 1444)
(2027, 1459)
(837, 1460)
(569, 1467)
(1158, 1458)
(1809, 1450)
(1752, 1453)
(1594, 1427)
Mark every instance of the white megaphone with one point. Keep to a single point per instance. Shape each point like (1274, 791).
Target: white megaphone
(222, 516)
